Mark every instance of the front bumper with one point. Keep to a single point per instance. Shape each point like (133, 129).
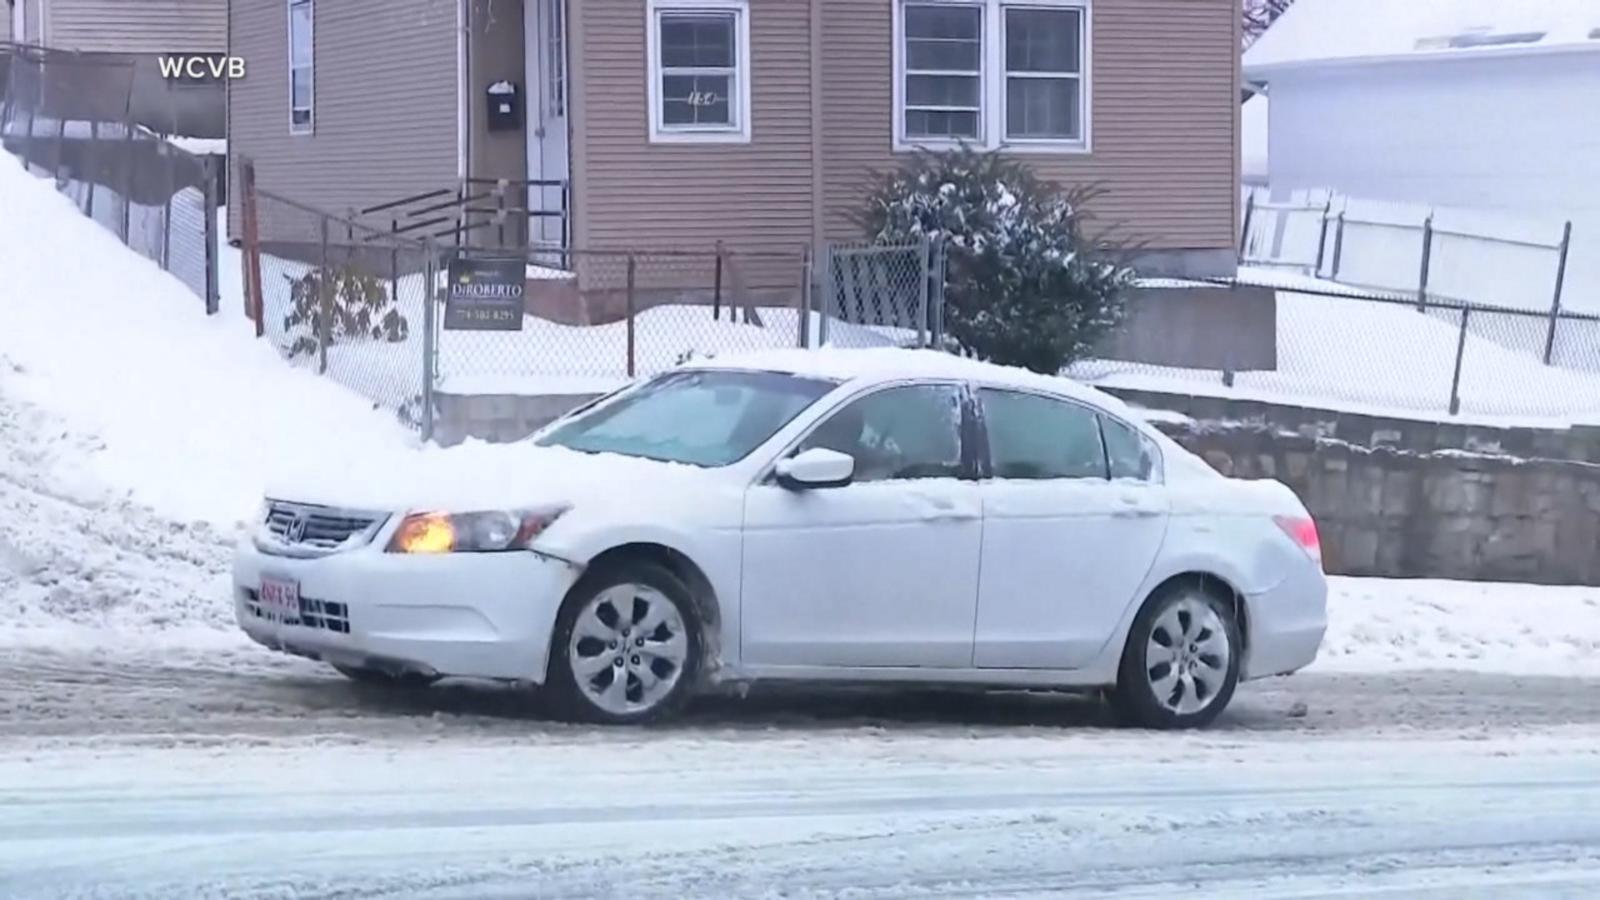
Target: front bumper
(481, 615)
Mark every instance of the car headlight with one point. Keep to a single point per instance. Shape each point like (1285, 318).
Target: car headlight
(493, 531)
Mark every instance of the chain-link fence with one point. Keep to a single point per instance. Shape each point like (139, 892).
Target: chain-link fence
(1382, 353)
(340, 299)
(68, 117)
(872, 294)
(389, 317)
(595, 318)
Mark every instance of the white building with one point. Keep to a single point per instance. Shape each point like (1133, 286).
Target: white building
(1487, 105)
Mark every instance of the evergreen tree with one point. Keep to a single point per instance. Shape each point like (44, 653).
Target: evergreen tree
(1026, 286)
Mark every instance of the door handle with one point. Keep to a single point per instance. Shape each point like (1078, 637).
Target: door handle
(1136, 514)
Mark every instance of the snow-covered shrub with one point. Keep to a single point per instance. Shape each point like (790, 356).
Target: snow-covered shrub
(361, 309)
(1027, 286)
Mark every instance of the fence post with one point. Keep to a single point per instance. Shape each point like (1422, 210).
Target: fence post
(1244, 230)
(1555, 303)
(825, 307)
(941, 268)
(430, 278)
(324, 301)
(92, 165)
(1338, 246)
(1427, 258)
(807, 273)
(208, 174)
(1322, 236)
(166, 208)
(716, 289)
(1461, 349)
(254, 302)
(394, 259)
(500, 212)
(923, 292)
(630, 311)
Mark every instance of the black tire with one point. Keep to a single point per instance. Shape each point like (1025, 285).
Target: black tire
(384, 679)
(1135, 698)
(567, 699)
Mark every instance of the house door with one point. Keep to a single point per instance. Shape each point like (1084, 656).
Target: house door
(548, 166)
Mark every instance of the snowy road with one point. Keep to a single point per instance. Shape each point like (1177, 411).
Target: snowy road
(254, 777)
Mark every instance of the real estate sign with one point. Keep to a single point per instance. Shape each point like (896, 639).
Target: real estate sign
(485, 294)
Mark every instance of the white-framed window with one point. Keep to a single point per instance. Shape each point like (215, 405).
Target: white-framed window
(302, 67)
(992, 73)
(698, 66)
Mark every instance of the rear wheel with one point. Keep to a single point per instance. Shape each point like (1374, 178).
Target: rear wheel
(627, 647)
(374, 676)
(1181, 663)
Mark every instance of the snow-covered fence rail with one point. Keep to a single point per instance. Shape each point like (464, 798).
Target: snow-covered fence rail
(68, 117)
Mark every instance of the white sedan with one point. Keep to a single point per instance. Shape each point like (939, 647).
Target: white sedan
(867, 516)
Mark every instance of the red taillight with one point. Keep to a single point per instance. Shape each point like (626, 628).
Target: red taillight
(1303, 531)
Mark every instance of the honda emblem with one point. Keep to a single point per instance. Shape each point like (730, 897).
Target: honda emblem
(296, 531)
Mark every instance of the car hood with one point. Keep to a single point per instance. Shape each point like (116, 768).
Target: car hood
(480, 476)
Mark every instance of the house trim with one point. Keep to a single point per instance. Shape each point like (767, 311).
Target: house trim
(311, 27)
(992, 77)
(743, 67)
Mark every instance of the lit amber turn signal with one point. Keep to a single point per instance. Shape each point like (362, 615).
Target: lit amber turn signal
(424, 533)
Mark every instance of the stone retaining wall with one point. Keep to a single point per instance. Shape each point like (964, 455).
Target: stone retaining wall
(1437, 514)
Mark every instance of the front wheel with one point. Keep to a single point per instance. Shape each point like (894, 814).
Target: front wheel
(1181, 663)
(626, 648)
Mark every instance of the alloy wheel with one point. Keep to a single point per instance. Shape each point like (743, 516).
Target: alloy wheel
(628, 650)
(1187, 656)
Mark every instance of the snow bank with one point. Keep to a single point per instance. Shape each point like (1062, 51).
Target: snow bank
(1378, 625)
(190, 413)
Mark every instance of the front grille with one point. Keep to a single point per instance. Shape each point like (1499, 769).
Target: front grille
(322, 614)
(304, 529)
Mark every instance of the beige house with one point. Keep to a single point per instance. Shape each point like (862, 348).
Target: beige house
(137, 32)
(679, 123)
(119, 26)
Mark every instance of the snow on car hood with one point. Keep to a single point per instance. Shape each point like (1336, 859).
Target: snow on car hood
(480, 476)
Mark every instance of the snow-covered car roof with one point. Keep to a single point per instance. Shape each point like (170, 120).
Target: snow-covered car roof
(890, 364)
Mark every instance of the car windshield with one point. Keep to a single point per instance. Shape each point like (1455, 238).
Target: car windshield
(703, 418)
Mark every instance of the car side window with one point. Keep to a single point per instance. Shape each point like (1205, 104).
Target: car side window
(897, 433)
(1034, 437)
(1132, 454)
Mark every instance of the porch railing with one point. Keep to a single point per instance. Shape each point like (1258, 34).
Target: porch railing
(478, 211)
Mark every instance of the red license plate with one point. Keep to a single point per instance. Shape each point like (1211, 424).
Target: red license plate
(280, 599)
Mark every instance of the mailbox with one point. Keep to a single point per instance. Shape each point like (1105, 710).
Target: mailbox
(505, 106)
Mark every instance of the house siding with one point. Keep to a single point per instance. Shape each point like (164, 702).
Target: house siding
(1163, 117)
(635, 194)
(138, 26)
(386, 89)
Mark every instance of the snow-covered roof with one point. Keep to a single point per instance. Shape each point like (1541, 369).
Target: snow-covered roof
(1332, 32)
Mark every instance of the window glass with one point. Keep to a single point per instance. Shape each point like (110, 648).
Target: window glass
(1033, 437)
(944, 65)
(1044, 69)
(897, 433)
(705, 418)
(301, 60)
(1132, 454)
(699, 58)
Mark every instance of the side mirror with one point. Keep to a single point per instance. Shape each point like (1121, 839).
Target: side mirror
(818, 467)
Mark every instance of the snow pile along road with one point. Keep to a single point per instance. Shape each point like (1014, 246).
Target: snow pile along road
(191, 413)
